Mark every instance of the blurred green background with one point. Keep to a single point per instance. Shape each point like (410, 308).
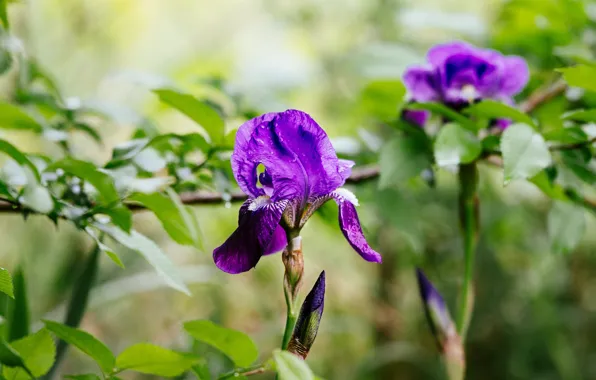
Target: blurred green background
(535, 312)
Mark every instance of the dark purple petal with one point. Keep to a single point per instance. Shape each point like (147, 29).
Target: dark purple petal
(435, 308)
(437, 55)
(463, 70)
(295, 151)
(515, 76)
(416, 117)
(422, 84)
(278, 241)
(502, 123)
(258, 221)
(350, 226)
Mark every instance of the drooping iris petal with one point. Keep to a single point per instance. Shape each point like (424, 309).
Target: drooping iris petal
(278, 241)
(254, 234)
(422, 84)
(515, 75)
(350, 226)
(295, 151)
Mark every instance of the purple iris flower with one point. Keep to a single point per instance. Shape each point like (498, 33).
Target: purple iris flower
(458, 74)
(301, 172)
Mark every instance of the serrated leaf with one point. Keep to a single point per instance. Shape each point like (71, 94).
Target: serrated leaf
(524, 152)
(152, 253)
(291, 367)
(402, 158)
(583, 76)
(235, 344)
(17, 317)
(383, 98)
(85, 342)
(455, 145)
(175, 218)
(441, 109)
(6, 283)
(198, 111)
(38, 351)
(13, 117)
(566, 226)
(154, 360)
(102, 182)
(588, 116)
(491, 109)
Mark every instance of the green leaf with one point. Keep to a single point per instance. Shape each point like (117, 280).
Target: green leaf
(102, 182)
(583, 76)
(383, 98)
(9, 356)
(578, 163)
(588, 116)
(455, 145)
(120, 215)
(37, 198)
(235, 344)
(569, 135)
(152, 253)
(201, 370)
(197, 110)
(38, 351)
(566, 226)
(524, 152)
(87, 376)
(172, 214)
(4, 14)
(19, 157)
(154, 360)
(402, 158)
(13, 117)
(18, 309)
(291, 367)
(491, 109)
(6, 283)
(549, 188)
(443, 110)
(104, 248)
(84, 342)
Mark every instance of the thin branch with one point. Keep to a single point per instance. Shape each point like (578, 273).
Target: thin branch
(573, 146)
(543, 95)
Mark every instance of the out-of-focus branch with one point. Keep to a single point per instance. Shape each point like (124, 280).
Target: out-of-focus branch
(543, 95)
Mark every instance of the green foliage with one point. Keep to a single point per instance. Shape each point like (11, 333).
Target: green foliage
(154, 360)
(291, 367)
(566, 226)
(583, 76)
(490, 109)
(197, 110)
(524, 152)
(402, 158)
(447, 113)
(86, 343)
(383, 98)
(6, 286)
(13, 117)
(86, 171)
(235, 344)
(37, 351)
(456, 145)
(17, 317)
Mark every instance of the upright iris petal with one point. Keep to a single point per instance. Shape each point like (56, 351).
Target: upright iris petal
(458, 74)
(302, 171)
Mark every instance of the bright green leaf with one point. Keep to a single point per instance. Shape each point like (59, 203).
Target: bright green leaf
(88, 376)
(6, 283)
(491, 109)
(4, 14)
(552, 190)
(9, 356)
(152, 253)
(201, 370)
(18, 309)
(588, 116)
(383, 98)
(566, 226)
(154, 360)
(235, 344)
(84, 342)
(524, 152)
(455, 145)
(443, 110)
(570, 135)
(197, 110)
(38, 352)
(402, 158)
(13, 117)
(19, 157)
(172, 214)
(102, 182)
(291, 367)
(583, 76)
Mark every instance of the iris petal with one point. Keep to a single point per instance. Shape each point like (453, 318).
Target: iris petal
(252, 239)
(350, 226)
(422, 84)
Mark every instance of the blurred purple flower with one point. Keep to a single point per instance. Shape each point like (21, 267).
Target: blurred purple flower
(458, 74)
(436, 310)
(307, 325)
(301, 173)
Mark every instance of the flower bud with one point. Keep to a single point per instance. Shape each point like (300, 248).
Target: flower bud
(442, 327)
(294, 265)
(307, 326)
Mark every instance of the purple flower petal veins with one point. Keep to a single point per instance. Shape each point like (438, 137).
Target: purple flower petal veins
(302, 171)
(458, 74)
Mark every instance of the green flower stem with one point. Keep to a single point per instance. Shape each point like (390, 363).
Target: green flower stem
(468, 206)
(294, 264)
(290, 319)
(244, 372)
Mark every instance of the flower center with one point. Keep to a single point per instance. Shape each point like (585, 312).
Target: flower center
(469, 93)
